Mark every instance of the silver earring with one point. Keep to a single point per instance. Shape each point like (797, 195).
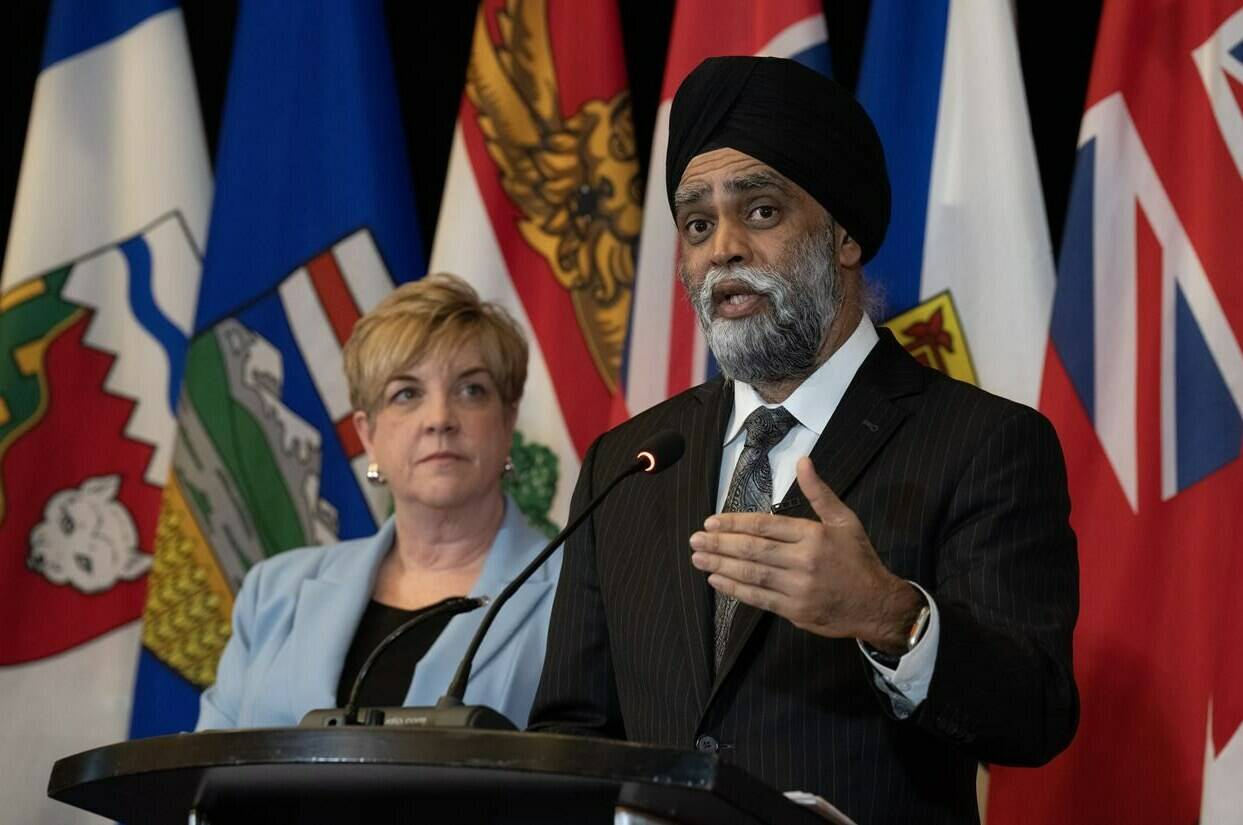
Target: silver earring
(373, 474)
(508, 469)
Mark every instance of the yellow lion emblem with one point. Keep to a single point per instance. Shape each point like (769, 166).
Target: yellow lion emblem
(575, 179)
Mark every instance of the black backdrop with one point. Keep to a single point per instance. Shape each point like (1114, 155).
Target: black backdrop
(430, 41)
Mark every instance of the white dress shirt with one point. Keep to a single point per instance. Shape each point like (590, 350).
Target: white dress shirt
(812, 404)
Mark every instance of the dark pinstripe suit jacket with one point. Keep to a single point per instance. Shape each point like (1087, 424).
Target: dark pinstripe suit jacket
(959, 490)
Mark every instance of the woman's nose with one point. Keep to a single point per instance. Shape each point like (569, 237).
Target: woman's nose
(440, 415)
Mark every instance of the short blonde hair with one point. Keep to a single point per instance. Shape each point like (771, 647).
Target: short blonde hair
(431, 317)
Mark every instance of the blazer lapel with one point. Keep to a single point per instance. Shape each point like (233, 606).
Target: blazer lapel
(326, 618)
(863, 422)
(516, 544)
(698, 473)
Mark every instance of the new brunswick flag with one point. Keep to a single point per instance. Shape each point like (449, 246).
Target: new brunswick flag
(541, 213)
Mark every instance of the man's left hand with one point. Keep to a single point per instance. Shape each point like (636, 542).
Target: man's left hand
(824, 577)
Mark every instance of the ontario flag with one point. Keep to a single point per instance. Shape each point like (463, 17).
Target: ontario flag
(541, 213)
(313, 222)
(1144, 381)
(99, 286)
(666, 353)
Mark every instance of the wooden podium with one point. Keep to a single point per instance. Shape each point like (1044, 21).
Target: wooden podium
(389, 775)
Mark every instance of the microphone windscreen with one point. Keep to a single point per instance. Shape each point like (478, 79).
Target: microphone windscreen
(661, 451)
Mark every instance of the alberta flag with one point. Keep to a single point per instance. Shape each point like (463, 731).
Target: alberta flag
(541, 213)
(967, 266)
(665, 351)
(1144, 383)
(99, 286)
(313, 222)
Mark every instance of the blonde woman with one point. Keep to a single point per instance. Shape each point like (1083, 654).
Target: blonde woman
(435, 379)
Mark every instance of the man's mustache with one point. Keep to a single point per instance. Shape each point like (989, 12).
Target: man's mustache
(767, 284)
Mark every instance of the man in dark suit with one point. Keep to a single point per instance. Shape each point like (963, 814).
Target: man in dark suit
(906, 608)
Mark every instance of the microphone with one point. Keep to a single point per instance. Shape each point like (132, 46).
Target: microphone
(660, 452)
(453, 605)
(654, 455)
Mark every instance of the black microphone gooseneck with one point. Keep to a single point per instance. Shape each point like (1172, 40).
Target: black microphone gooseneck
(453, 604)
(656, 454)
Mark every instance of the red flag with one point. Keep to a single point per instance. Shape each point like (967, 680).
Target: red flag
(541, 213)
(1144, 382)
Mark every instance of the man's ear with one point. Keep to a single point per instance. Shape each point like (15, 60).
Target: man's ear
(849, 253)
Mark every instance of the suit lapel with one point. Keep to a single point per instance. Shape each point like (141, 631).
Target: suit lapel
(516, 544)
(330, 606)
(863, 422)
(699, 474)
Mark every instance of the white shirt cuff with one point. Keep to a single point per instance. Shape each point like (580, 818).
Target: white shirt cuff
(907, 686)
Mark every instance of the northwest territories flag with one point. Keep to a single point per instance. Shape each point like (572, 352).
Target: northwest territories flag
(1144, 382)
(99, 285)
(313, 222)
(665, 351)
(966, 268)
(541, 212)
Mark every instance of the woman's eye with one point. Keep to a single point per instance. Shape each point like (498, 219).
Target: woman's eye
(404, 394)
(474, 390)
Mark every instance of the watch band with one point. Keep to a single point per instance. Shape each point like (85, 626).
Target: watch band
(913, 636)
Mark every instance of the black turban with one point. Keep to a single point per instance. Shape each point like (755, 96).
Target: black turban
(793, 119)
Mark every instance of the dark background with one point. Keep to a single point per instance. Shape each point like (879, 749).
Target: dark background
(430, 40)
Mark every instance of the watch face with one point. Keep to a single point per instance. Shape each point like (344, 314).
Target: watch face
(917, 629)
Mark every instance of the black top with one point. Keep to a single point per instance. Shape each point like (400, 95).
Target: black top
(391, 674)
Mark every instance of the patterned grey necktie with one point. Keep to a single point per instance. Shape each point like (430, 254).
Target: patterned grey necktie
(750, 491)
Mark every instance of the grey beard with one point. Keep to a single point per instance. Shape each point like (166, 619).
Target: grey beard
(783, 342)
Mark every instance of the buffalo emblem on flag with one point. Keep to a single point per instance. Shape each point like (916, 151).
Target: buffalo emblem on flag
(574, 179)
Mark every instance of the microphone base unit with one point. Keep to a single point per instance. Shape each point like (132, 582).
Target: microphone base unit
(477, 717)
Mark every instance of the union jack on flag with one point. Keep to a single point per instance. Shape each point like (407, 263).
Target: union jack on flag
(1144, 381)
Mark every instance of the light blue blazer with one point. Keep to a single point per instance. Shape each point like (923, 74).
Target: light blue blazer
(296, 614)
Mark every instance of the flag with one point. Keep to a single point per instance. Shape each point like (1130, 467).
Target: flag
(966, 270)
(541, 213)
(965, 275)
(1144, 382)
(99, 286)
(665, 351)
(313, 221)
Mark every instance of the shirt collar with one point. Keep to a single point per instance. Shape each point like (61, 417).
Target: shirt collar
(813, 402)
